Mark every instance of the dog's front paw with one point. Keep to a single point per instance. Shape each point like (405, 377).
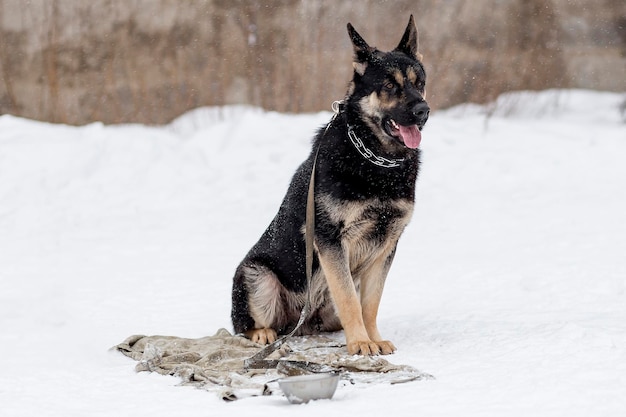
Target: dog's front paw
(261, 336)
(369, 348)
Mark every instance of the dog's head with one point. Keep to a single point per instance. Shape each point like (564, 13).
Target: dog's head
(388, 89)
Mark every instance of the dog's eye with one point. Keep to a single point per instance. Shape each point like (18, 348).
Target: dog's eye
(389, 87)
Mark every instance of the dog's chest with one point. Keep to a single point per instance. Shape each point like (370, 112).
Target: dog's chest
(366, 228)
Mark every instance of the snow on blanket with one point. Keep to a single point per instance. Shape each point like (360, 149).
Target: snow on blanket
(217, 363)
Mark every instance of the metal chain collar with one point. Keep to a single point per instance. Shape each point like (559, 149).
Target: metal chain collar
(369, 155)
(337, 107)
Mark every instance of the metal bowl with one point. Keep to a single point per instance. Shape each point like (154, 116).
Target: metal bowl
(304, 388)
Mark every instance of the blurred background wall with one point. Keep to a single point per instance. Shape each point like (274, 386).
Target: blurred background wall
(148, 61)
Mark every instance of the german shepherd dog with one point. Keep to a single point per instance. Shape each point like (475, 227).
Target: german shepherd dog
(367, 165)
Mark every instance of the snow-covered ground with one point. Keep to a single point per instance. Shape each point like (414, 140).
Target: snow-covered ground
(509, 285)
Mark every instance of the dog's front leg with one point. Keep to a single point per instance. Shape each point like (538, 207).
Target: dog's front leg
(334, 263)
(372, 283)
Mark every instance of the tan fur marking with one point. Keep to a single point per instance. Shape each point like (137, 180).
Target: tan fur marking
(345, 298)
(399, 77)
(360, 263)
(359, 67)
(371, 104)
(374, 106)
(372, 285)
(371, 108)
(271, 305)
(261, 336)
(265, 302)
(411, 75)
(350, 213)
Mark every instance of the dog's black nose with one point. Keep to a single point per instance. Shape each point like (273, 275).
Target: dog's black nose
(421, 111)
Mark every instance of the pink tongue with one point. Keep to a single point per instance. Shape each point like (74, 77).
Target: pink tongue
(411, 136)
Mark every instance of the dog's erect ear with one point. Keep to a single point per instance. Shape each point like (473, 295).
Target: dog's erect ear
(409, 42)
(362, 50)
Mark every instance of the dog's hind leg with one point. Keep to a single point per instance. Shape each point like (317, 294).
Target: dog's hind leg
(257, 306)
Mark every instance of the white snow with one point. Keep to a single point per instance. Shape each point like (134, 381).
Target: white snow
(509, 285)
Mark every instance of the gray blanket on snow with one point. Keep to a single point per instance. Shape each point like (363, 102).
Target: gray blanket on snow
(216, 363)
